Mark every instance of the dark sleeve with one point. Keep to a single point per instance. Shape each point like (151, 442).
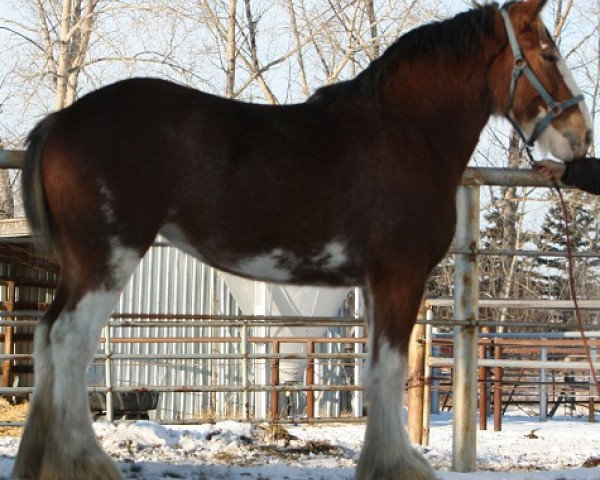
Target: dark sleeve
(583, 174)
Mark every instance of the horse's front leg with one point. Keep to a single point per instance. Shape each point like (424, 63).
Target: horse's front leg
(59, 442)
(387, 454)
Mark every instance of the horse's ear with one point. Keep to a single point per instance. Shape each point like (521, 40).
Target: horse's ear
(532, 8)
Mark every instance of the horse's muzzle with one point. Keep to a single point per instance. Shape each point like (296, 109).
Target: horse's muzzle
(579, 146)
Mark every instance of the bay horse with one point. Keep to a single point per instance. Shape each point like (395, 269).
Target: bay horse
(356, 186)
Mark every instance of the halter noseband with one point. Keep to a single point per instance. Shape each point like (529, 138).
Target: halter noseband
(522, 67)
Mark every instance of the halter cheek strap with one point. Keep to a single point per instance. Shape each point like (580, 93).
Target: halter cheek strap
(522, 67)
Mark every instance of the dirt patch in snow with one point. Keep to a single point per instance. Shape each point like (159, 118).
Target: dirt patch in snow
(12, 413)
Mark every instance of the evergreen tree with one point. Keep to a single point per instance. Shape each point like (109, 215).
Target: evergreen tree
(583, 228)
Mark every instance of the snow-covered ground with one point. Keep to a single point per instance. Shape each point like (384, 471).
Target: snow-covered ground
(524, 450)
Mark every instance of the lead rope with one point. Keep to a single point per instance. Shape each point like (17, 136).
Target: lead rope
(578, 320)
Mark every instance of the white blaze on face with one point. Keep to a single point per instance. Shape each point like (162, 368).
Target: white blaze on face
(572, 84)
(552, 140)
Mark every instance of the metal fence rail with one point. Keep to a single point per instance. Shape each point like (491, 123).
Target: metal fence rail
(344, 356)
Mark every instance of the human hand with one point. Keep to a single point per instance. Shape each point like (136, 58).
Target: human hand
(551, 171)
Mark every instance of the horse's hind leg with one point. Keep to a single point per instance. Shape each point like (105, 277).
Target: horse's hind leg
(387, 453)
(58, 442)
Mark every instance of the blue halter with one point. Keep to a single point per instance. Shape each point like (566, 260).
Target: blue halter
(522, 67)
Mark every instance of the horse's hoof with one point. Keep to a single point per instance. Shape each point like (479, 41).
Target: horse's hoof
(414, 467)
(97, 466)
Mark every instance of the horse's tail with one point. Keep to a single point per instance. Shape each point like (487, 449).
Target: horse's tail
(34, 198)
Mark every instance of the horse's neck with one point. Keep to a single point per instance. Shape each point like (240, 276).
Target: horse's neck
(451, 101)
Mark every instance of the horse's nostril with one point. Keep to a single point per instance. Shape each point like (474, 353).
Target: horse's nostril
(589, 137)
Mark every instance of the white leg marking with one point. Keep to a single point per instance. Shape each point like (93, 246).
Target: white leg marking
(59, 442)
(123, 261)
(386, 392)
(74, 339)
(387, 453)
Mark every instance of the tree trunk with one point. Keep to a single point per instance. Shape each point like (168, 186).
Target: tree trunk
(231, 51)
(7, 199)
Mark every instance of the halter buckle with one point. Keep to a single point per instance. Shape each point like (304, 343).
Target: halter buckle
(556, 109)
(520, 63)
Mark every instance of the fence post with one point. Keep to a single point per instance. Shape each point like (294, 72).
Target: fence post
(427, 378)
(275, 382)
(359, 332)
(8, 335)
(110, 416)
(592, 395)
(483, 386)
(244, 351)
(416, 373)
(435, 375)
(310, 380)
(543, 386)
(498, 373)
(464, 400)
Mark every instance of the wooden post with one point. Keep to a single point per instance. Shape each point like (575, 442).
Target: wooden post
(427, 379)
(8, 336)
(498, 372)
(591, 402)
(275, 383)
(483, 387)
(543, 386)
(416, 374)
(310, 380)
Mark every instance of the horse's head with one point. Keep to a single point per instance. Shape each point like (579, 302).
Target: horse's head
(542, 99)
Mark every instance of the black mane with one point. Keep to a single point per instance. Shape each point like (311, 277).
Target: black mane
(456, 37)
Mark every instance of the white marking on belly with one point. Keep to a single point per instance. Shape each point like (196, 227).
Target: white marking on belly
(334, 254)
(280, 265)
(269, 266)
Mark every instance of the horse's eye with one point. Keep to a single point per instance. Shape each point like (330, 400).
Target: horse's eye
(550, 57)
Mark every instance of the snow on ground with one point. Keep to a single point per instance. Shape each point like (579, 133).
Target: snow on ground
(524, 450)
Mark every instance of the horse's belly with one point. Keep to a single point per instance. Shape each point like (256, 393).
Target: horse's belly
(331, 265)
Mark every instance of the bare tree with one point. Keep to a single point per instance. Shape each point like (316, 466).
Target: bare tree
(76, 24)
(7, 199)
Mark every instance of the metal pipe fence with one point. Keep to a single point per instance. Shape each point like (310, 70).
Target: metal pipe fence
(345, 355)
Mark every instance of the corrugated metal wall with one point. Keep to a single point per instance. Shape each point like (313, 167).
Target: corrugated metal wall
(169, 281)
